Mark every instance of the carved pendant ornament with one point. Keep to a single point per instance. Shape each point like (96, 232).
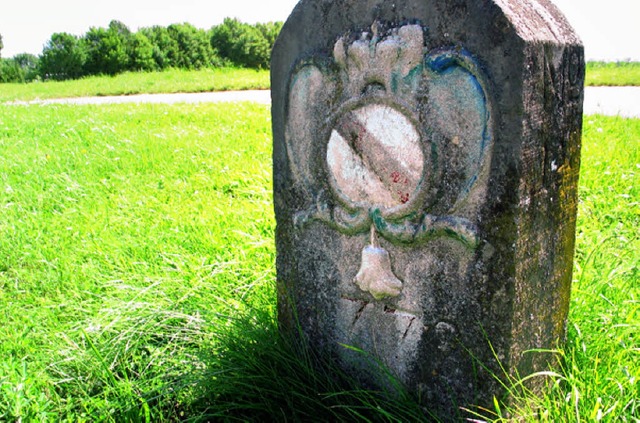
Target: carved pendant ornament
(390, 139)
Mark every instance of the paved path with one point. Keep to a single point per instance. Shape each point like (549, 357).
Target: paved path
(624, 101)
(257, 96)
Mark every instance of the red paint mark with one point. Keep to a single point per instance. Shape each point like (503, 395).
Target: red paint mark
(404, 197)
(399, 178)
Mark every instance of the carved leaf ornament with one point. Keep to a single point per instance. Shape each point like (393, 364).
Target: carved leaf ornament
(391, 139)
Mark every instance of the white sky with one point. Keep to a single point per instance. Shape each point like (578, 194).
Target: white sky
(609, 29)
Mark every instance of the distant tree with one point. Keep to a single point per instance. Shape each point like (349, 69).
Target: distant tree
(28, 64)
(140, 52)
(120, 29)
(270, 31)
(243, 44)
(106, 51)
(63, 57)
(20, 68)
(194, 48)
(165, 48)
(10, 71)
(1, 45)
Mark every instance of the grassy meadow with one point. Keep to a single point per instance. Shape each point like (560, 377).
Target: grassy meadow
(126, 235)
(137, 276)
(169, 81)
(613, 74)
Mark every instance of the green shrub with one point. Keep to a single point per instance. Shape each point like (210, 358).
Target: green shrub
(63, 57)
(21, 68)
(10, 71)
(194, 50)
(140, 52)
(28, 64)
(106, 50)
(243, 44)
(165, 48)
(116, 49)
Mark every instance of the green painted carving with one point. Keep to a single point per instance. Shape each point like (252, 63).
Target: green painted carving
(381, 135)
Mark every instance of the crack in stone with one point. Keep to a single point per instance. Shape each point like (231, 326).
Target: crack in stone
(386, 309)
(359, 312)
(406, 332)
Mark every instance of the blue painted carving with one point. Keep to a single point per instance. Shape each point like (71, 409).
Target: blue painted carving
(442, 93)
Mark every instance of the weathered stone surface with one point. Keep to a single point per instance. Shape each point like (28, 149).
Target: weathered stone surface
(426, 158)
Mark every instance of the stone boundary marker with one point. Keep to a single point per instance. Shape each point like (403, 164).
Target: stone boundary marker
(426, 159)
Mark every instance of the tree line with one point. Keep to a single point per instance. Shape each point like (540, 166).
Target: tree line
(116, 49)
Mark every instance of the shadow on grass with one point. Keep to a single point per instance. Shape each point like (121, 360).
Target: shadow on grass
(255, 374)
(148, 363)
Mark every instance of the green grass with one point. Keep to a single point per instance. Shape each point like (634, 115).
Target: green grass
(170, 81)
(613, 74)
(124, 232)
(137, 275)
